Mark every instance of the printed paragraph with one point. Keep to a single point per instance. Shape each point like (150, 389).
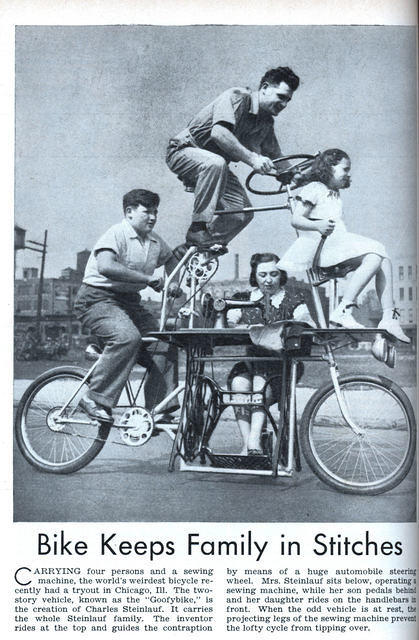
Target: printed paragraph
(116, 600)
(321, 600)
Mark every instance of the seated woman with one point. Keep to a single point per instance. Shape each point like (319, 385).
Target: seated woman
(276, 302)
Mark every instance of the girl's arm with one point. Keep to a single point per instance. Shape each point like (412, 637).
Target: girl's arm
(300, 219)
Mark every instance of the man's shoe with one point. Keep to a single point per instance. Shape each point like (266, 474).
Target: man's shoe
(393, 326)
(342, 315)
(201, 239)
(217, 249)
(94, 410)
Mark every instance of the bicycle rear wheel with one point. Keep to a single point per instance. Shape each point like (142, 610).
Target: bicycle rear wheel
(377, 459)
(48, 443)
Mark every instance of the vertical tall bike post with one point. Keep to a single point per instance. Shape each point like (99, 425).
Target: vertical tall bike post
(334, 373)
(316, 297)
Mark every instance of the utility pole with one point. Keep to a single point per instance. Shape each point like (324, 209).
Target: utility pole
(19, 244)
(70, 309)
(42, 250)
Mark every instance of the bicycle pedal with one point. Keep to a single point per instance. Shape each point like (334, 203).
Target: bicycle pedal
(218, 250)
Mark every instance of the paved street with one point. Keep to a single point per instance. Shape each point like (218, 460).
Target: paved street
(133, 484)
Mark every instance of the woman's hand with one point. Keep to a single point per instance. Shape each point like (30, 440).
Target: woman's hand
(325, 227)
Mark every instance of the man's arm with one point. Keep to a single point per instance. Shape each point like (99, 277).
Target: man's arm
(108, 266)
(228, 142)
(270, 146)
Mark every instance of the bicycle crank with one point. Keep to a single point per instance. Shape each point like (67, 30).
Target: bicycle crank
(135, 426)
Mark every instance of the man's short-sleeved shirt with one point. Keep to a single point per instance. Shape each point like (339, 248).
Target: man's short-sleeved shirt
(237, 109)
(131, 251)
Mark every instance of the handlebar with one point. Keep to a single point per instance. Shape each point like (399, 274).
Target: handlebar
(316, 259)
(304, 163)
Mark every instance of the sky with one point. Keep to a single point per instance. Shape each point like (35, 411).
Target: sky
(96, 105)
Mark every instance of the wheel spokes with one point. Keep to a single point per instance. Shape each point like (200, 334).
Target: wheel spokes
(365, 459)
(47, 440)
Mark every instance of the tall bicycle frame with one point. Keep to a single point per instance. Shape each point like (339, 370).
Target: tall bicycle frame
(352, 451)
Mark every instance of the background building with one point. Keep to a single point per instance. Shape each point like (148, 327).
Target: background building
(405, 289)
(58, 295)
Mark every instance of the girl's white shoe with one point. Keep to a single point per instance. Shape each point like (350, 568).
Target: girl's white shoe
(343, 315)
(393, 326)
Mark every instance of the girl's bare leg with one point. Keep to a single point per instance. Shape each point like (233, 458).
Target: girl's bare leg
(384, 284)
(384, 288)
(368, 268)
(242, 383)
(258, 418)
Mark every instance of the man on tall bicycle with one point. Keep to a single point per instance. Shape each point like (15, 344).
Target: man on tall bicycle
(121, 264)
(236, 126)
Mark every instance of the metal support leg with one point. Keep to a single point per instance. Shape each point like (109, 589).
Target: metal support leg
(169, 279)
(292, 415)
(282, 416)
(332, 295)
(317, 304)
(192, 302)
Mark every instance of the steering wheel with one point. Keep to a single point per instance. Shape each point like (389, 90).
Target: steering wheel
(303, 163)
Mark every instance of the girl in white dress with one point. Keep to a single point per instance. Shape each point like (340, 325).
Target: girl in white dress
(318, 212)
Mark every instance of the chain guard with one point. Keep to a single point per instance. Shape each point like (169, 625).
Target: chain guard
(136, 426)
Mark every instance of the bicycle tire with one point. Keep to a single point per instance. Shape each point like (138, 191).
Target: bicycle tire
(367, 464)
(45, 445)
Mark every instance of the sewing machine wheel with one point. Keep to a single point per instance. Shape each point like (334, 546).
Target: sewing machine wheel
(201, 266)
(136, 426)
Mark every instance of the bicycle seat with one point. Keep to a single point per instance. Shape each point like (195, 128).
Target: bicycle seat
(93, 350)
(321, 275)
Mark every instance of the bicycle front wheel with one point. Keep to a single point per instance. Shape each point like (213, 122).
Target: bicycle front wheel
(51, 440)
(370, 462)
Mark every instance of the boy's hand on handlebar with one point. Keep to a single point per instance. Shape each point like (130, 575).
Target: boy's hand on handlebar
(325, 227)
(156, 284)
(174, 291)
(262, 164)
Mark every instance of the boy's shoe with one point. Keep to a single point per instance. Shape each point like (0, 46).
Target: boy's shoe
(95, 410)
(342, 315)
(393, 326)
